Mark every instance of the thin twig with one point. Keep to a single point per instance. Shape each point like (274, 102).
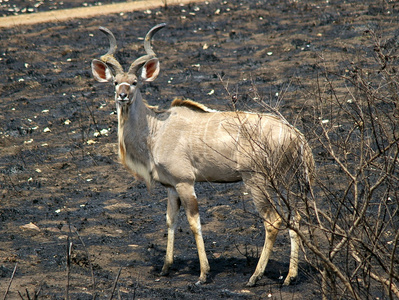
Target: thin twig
(20, 295)
(90, 264)
(11, 279)
(92, 116)
(115, 283)
(68, 262)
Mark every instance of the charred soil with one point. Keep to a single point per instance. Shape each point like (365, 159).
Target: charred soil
(67, 205)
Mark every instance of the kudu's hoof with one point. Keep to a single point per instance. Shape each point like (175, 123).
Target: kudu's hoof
(251, 283)
(289, 280)
(164, 273)
(201, 281)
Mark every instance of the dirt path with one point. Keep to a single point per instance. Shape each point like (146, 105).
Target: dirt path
(85, 12)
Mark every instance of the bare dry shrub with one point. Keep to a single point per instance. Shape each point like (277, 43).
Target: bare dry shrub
(356, 130)
(350, 222)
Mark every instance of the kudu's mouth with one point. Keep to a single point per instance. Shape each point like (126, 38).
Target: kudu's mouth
(124, 101)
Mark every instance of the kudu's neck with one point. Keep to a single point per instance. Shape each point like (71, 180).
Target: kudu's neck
(132, 115)
(135, 122)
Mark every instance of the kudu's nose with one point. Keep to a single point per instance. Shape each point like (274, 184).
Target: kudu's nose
(123, 96)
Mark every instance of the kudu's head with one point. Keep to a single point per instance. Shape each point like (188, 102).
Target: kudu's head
(108, 69)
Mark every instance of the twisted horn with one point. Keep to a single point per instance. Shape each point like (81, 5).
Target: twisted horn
(148, 49)
(109, 58)
(148, 37)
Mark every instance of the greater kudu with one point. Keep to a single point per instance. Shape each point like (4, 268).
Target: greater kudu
(190, 143)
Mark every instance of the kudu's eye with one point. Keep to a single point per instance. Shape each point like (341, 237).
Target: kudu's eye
(116, 83)
(134, 83)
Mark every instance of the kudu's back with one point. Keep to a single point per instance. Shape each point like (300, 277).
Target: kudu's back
(228, 146)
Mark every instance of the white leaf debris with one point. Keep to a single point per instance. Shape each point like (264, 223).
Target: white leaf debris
(30, 226)
(46, 129)
(67, 122)
(91, 142)
(104, 131)
(211, 92)
(101, 132)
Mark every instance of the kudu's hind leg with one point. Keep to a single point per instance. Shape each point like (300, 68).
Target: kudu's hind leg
(272, 223)
(189, 200)
(171, 221)
(293, 270)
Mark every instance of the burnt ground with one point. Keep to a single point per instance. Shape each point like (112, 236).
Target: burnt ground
(60, 177)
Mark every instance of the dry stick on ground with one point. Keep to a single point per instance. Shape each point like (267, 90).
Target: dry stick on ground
(92, 117)
(68, 262)
(115, 283)
(135, 287)
(35, 296)
(11, 183)
(90, 264)
(11, 279)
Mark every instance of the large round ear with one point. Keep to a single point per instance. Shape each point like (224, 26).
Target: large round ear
(150, 70)
(101, 72)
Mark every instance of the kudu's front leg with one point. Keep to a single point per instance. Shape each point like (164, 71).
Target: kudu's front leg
(171, 222)
(189, 200)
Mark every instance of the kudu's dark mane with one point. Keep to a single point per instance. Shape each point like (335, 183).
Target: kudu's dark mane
(191, 105)
(178, 102)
